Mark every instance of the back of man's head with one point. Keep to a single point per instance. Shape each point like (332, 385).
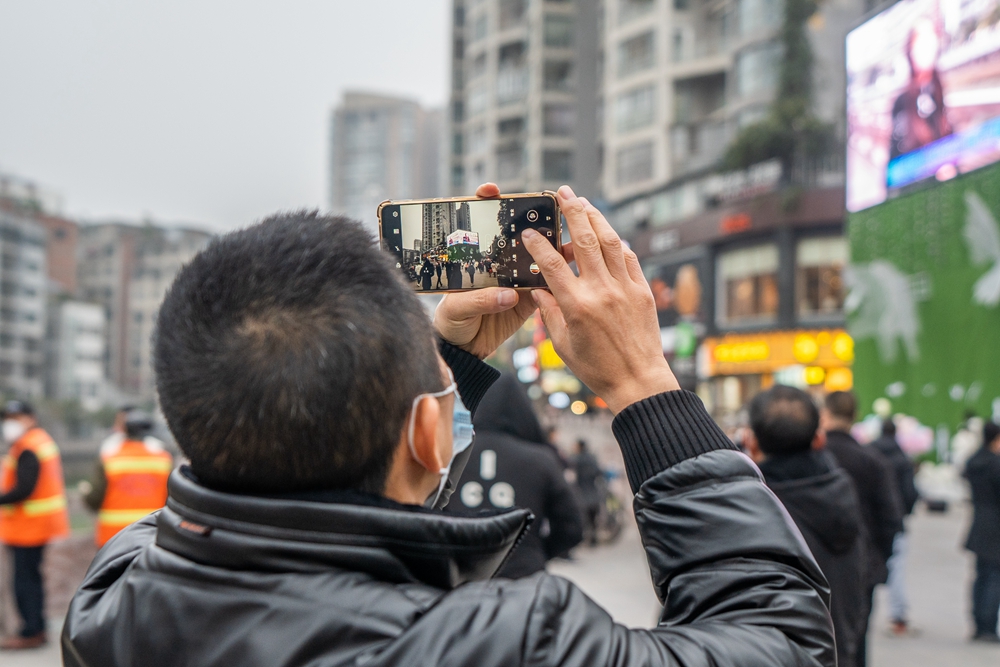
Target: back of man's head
(842, 404)
(784, 420)
(287, 356)
(888, 427)
(991, 431)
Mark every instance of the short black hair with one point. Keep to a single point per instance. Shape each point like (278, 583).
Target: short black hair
(991, 431)
(287, 356)
(842, 404)
(888, 427)
(784, 419)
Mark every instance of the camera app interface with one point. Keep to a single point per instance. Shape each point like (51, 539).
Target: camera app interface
(443, 246)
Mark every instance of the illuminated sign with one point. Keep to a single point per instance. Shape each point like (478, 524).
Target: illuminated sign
(463, 237)
(750, 354)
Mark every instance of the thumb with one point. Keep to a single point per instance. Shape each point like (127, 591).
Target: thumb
(460, 306)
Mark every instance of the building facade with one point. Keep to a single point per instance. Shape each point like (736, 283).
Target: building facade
(382, 147)
(75, 358)
(22, 301)
(525, 95)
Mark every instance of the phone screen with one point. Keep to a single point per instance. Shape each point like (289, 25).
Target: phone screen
(460, 245)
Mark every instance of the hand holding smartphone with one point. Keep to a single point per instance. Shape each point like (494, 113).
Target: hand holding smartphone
(466, 243)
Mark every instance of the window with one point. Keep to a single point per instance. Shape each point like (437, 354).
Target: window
(510, 161)
(757, 69)
(479, 65)
(757, 15)
(677, 46)
(635, 163)
(456, 143)
(681, 5)
(636, 54)
(510, 127)
(630, 9)
(819, 286)
(457, 176)
(635, 109)
(479, 97)
(747, 286)
(459, 16)
(477, 139)
(511, 13)
(558, 31)
(557, 165)
(479, 28)
(558, 75)
(558, 120)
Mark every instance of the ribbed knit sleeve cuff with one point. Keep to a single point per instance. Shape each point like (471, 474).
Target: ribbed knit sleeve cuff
(473, 376)
(663, 430)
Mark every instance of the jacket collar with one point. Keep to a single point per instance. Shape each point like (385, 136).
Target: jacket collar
(393, 543)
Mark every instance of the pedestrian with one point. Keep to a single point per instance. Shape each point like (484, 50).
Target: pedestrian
(454, 269)
(785, 440)
(873, 479)
(437, 271)
(983, 473)
(325, 418)
(426, 272)
(470, 268)
(588, 483)
(32, 514)
(131, 477)
(512, 465)
(902, 470)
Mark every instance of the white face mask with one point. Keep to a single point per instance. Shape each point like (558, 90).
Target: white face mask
(13, 430)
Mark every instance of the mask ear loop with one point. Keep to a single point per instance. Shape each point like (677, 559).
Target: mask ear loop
(412, 423)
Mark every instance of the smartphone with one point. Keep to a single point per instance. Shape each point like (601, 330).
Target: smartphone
(463, 243)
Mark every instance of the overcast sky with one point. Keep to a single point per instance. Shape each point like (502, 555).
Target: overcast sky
(203, 112)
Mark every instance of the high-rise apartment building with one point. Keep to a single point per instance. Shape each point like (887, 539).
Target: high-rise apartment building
(22, 301)
(161, 252)
(525, 90)
(682, 77)
(382, 147)
(75, 359)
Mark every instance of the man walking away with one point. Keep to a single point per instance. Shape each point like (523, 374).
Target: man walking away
(32, 513)
(326, 421)
(588, 483)
(131, 478)
(881, 508)
(902, 469)
(983, 473)
(512, 465)
(785, 440)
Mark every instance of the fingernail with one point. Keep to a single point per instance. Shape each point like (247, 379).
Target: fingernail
(529, 233)
(567, 192)
(534, 296)
(507, 297)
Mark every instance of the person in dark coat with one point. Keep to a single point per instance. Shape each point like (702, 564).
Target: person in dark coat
(983, 473)
(454, 270)
(322, 414)
(426, 273)
(875, 483)
(512, 465)
(437, 272)
(786, 442)
(470, 268)
(902, 469)
(588, 479)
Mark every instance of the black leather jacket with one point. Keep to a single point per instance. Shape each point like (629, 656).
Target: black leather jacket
(222, 579)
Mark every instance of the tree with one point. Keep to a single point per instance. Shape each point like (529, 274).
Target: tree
(790, 129)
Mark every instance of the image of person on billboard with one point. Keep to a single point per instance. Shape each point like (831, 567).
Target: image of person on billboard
(918, 115)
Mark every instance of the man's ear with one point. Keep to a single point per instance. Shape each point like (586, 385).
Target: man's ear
(752, 446)
(819, 440)
(425, 433)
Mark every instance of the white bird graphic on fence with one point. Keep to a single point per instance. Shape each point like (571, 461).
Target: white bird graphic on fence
(982, 234)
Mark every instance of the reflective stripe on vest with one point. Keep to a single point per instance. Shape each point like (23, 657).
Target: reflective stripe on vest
(123, 517)
(120, 465)
(44, 505)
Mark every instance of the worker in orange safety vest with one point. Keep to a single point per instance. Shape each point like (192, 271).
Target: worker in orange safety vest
(131, 477)
(32, 513)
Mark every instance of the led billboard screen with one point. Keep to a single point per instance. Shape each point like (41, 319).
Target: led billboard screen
(923, 96)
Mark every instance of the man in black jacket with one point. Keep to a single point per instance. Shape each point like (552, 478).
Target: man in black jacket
(902, 470)
(881, 507)
(302, 379)
(983, 473)
(513, 465)
(786, 442)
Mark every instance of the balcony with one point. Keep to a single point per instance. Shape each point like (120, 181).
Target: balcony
(698, 146)
(512, 84)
